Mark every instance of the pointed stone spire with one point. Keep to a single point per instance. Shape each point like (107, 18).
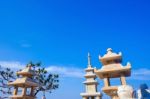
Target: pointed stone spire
(89, 60)
(90, 83)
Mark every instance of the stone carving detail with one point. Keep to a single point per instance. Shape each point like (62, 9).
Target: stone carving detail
(125, 92)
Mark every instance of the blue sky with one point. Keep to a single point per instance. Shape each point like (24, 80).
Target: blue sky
(60, 33)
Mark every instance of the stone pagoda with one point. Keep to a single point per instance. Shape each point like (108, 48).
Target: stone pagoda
(25, 83)
(112, 68)
(90, 83)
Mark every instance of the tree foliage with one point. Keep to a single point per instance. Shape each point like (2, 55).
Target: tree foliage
(6, 75)
(47, 81)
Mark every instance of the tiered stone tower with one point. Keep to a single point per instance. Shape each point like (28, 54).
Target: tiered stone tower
(25, 83)
(112, 68)
(90, 83)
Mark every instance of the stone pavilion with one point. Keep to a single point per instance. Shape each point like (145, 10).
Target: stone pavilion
(26, 83)
(112, 68)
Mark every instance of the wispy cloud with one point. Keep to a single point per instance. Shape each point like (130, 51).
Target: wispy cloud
(11, 64)
(61, 70)
(66, 71)
(70, 71)
(25, 44)
(141, 74)
(136, 74)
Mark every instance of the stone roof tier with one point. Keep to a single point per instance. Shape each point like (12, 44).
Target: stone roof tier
(113, 72)
(21, 82)
(110, 56)
(91, 82)
(91, 94)
(26, 72)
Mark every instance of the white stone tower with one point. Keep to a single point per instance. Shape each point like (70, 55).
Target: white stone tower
(90, 83)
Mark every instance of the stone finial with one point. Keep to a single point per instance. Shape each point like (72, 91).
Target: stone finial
(89, 60)
(109, 50)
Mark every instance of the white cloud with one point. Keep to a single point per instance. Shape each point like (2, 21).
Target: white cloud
(61, 70)
(137, 74)
(11, 64)
(66, 71)
(141, 74)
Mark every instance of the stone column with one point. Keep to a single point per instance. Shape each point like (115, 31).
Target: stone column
(24, 91)
(97, 97)
(15, 91)
(32, 91)
(123, 80)
(106, 82)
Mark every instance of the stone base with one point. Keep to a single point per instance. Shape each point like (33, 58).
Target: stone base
(21, 97)
(96, 95)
